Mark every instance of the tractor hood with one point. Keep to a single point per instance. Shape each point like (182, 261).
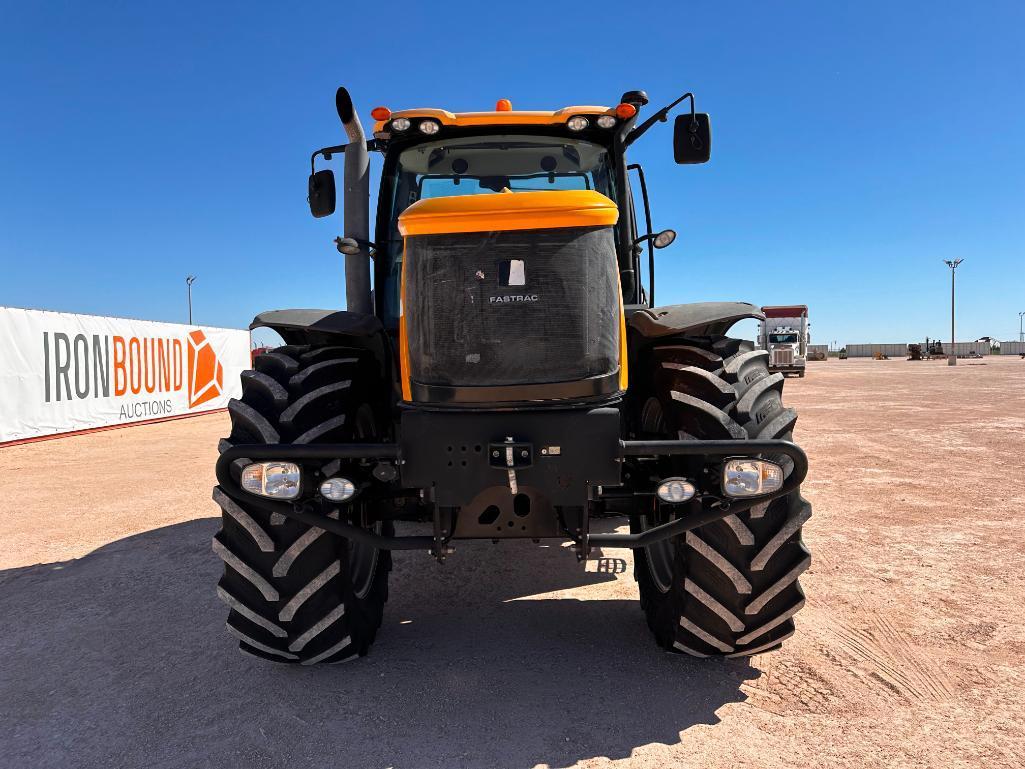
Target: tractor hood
(511, 296)
(507, 210)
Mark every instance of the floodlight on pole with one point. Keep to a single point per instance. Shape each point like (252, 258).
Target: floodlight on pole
(189, 280)
(952, 264)
(1021, 334)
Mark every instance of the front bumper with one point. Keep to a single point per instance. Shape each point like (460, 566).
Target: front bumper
(447, 470)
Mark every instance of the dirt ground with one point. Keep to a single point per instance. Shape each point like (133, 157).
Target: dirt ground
(910, 652)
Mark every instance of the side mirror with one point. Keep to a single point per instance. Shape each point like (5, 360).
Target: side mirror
(692, 138)
(322, 193)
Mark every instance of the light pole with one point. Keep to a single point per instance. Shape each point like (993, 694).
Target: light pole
(1021, 335)
(952, 359)
(189, 280)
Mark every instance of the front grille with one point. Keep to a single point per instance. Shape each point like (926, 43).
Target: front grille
(782, 356)
(512, 307)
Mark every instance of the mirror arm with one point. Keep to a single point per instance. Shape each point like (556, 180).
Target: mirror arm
(659, 117)
(327, 152)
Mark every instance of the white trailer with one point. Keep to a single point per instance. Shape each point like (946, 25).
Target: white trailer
(784, 333)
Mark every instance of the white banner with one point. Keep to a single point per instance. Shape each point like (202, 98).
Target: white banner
(61, 372)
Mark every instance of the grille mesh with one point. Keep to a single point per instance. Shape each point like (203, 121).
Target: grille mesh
(466, 329)
(783, 356)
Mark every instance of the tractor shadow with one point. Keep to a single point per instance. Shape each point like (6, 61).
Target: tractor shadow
(502, 657)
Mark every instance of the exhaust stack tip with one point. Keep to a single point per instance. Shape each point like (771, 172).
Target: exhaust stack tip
(350, 119)
(343, 103)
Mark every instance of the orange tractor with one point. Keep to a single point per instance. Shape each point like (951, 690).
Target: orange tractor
(509, 376)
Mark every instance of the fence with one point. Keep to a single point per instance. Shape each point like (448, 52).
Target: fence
(961, 349)
(818, 349)
(63, 373)
(1012, 348)
(869, 350)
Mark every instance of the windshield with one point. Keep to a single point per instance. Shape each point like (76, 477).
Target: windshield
(782, 338)
(479, 165)
(485, 165)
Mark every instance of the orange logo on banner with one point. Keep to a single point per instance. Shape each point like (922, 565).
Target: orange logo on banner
(206, 375)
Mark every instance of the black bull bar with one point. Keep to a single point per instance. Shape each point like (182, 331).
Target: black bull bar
(301, 511)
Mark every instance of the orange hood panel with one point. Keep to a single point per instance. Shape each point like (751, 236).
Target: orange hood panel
(508, 211)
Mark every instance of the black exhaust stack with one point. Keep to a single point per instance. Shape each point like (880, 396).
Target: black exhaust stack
(356, 207)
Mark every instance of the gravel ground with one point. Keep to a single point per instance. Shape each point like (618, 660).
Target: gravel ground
(911, 651)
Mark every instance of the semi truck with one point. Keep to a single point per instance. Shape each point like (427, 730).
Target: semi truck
(784, 334)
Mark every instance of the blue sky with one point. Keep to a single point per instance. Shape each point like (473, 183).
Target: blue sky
(855, 146)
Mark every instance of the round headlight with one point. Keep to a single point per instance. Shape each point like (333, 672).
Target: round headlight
(347, 246)
(576, 123)
(429, 127)
(606, 121)
(400, 124)
(665, 238)
(675, 490)
(338, 489)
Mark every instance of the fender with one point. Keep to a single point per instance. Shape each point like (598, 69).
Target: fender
(297, 326)
(697, 319)
(325, 327)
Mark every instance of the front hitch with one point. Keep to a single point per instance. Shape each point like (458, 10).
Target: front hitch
(313, 512)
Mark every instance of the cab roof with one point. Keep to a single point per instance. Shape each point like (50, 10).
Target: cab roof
(494, 117)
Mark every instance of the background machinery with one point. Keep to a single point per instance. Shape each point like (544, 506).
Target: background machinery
(508, 377)
(784, 334)
(930, 350)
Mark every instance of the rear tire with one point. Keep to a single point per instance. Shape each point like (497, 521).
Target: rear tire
(299, 594)
(729, 588)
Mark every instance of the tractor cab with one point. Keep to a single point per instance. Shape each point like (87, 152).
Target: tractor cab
(507, 247)
(431, 153)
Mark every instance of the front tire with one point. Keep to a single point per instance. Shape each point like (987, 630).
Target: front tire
(300, 594)
(729, 588)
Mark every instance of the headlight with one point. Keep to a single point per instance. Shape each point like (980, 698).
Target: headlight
(751, 477)
(664, 238)
(400, 124)
(606, 121)
(429, 127)
(576, 123)
(338, 489)
(277, 480)
(675, 490)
